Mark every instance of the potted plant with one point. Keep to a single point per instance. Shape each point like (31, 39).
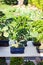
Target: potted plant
(21, 31)
(3, 31)
(17, 48)
(7, 26)
(21, 36)
(35, 39)
(40, 48)
(36, 42)
(4, 40)
(37, 47)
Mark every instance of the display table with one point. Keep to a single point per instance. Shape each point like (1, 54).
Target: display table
(30, 51)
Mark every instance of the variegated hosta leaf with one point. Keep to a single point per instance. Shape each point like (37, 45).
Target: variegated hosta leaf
(5, 28)
(34, 34)
(6, 34)
(15, 45)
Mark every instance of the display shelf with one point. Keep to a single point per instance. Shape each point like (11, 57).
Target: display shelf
(30, 51)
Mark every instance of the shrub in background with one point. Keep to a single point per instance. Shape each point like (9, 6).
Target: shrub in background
(40, 63)
(10, 2)
(16, 61)
(2, 61)
(29, 63)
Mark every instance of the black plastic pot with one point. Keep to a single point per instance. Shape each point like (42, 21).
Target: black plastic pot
(36, 43)
(4, 43)
(38, 50)
(24, 42)
(16, 50)
(25, 2)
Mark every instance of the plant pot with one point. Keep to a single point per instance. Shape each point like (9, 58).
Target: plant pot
(38, 50)
(4, 43)
(16, 50)
(36, 43)
(24, 42)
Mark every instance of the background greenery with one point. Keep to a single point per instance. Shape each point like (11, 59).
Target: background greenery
(20, 22)
(20, 61)
(2, 61)
(16, 61)
(37, 3)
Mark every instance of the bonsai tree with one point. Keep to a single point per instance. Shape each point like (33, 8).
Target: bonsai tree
(29, 63)
(21, 28)
(16, 61)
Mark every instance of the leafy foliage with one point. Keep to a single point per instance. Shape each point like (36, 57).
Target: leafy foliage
(29, 63)
(40, 63)
(9, 2)
(37, 3)
(3, 61)
(16, 61)
(37, 27)
(4, 27)
(24, 24)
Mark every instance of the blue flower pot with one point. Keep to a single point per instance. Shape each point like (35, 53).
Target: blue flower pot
(4, 43)
(16, 50)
